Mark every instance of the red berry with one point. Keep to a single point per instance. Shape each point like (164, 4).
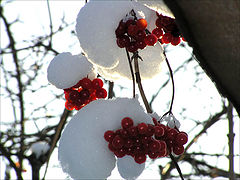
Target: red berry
(172, 133)
(178, 150)
(132, 30)
(154, 146)
(150, 130)
(142, 128)
(150, 39)
(165, 21)
(167, 38)
(79, 102)
(124, 133)
(153, 155)
(101, 93)
(97, 83)
(158, 32)
(183, 39)
(146, 139)
(84, 94)
(132, 47)
(158, 23)
(141, 44)
(181, 138)
(137, 142)
(133, 131)
(69, 106)
(140, 158)
(128, 143)
(73, 96)
(109, 135)
(162, 153)
(175, 41)
(121, 29)
(140, 35)
(86, 83)
(130, 21)
(120, 153)
(127, 123)
(117, 142)
(111, 148)
(142, 24)
(123, 41)
(159, 131)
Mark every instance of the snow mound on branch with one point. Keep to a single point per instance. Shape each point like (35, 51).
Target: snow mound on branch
(39, 148)
(65, 70)
(149, 67)
(128, 168)
(83, 151)
(96, 25)
(158, 6)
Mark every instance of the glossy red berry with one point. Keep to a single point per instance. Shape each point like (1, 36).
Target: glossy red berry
(175, 41)
(86, 83)
(158, 23)
(69, 106)
(132, 30)
(127, 123)
(123, 41)
(150, 130)
(142, 128)
(154, 146)
(142, 24)
(140, 35)
(133, 131)
(172, 133)
(128, 143)
(151, 39)
(141, 44)
(130, 21)
(84, 94)
(121, 29)
(178, 150)
(153, 155)
(117, 142)
(97, 83)
(73, 96)
(101, 93)
(158, 32)
(159, 131)
(132, 47)
(109, 135)
(120, 152)
(181, 138)
(140, 158)
(167, 38)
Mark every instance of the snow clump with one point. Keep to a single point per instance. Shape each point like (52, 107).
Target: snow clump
(65, 70)
(83, 151)
(40, 148)
(96, 25)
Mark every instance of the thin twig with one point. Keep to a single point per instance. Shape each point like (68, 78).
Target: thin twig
(231, 141)
(132, 73)
(176, 165)
(51, 25)
(138, 80)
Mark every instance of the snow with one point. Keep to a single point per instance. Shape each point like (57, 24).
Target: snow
(158, 6)
(172, 122)
(39, 148)
(128, 168)
(65, 70)
(150, 67)
(96, 25)
(83, 152)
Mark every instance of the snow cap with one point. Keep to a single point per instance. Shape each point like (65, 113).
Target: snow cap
(83, 152)
(39, 148)
(65, 70)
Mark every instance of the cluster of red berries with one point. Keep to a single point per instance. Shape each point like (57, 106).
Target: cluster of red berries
(132, 35)
(145, 139)
(83, 93)
(167, 30)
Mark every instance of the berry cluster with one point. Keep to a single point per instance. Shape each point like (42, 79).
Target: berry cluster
(83, 93)
(145, 139)
(132, 35)
(167, 30)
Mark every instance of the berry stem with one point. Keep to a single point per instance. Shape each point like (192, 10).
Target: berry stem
(132, 73)
(138, 80)
(173, 86)
(176, 165)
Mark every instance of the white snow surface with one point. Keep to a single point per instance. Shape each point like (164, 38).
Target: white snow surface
(65, 70)
(128, 168)
(149, 67)
(96, 25)
(39, 148)
(83, 152)
(158, 6)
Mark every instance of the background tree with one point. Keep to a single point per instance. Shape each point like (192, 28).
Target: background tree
(36, 119)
